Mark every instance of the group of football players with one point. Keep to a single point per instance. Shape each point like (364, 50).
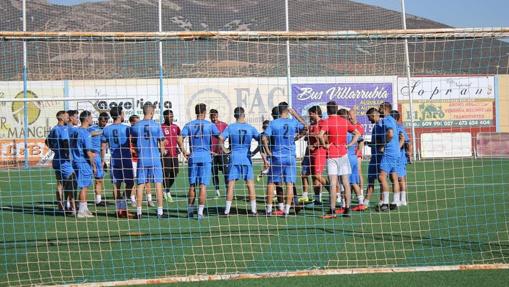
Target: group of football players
(146, 153)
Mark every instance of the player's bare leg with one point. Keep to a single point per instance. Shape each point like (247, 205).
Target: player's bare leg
(305, 188)
(60, 196)
(99, 186)
(270, 195)
(395, 189)
(252, 196)
(289, 197)
(159, 198)
(402, 187)
(148, 190)
(190, 201)
(202, 200)
(139, 199)
(345, 180)
(83, 208)
(334, 187)
(382, 177)
(361, 179)
(229, 197)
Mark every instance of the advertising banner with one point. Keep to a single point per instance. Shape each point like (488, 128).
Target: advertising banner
(358, 95)
(441, 145)
(492, 145)
(434, 114)
(12, 152)
(41, 114)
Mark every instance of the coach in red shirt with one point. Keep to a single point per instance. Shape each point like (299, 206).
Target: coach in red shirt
(333, 134)
(170, 160)
(220, 159)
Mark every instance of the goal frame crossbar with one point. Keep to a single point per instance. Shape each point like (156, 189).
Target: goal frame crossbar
(460, 33)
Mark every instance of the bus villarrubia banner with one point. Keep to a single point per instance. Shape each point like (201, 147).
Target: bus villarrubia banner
(360, 93)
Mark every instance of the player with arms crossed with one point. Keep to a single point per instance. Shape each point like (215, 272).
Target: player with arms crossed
(220, 159)
(170, 160)
(96, 132)
(83, 161)
(283, 169)
(241, 167)
(116, 136)
(149, 144)
(200, 133)
(338, 166)
(405, 152)
(390, 159)
(58, 142)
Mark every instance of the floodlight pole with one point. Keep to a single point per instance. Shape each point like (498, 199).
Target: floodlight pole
(410, 98)
(25, 90)
(288, 69)
(161, 83)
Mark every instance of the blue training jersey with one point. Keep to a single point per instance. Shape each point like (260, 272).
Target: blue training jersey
(58, 142)
(392, 147)
(402, 130)
(283, 132)
(147, 134)
(200, 134)
(377, 138)
(240, 135)
(80, 142)
(96, 139)
(117, 136)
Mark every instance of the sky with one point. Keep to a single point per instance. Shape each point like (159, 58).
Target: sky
(455, 13)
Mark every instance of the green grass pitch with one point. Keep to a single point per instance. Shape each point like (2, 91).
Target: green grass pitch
(458, 214)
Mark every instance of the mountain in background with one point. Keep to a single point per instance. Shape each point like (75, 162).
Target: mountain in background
(93, 59)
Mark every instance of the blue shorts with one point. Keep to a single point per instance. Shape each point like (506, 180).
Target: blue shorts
(401, 168)
(199, 173)
(122, 171)
(63, 170)
(389, 164)
(237, 171)
(374, 168)
(282, 170)
(306, 166)
(84, 174)
(354, 176)
(149, 174)
(99, 167)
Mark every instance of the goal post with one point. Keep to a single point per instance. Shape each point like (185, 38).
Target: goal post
(455, 217)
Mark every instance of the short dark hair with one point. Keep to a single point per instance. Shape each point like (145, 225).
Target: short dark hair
(282, 107)
(386, 105)
(343, 113)
(315, 110)
(133, 117)
(115, 112)
(238, 112)
(148, 107)
(72, 113)
(213, 111)
(200, 109)
(332, 108)
(372, 111)
(60, 114)
(167, 112)
(275, 112)
(104, 116)
(395, 114)
(84, 115)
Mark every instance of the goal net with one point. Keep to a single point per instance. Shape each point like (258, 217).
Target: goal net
(453, 105)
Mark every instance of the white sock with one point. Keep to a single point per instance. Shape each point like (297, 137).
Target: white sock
(159, 211)
(253, 206)
(281, 206)
(360, 199)
(98, 198)
(402, 195)
(365, 202)
(149, 197)
(218, 193)
(190, 208)
(343, 204)
(305, 194)
(133, 198)
(81, 207)
(338, 200)
(200, 209)
(395, 200)
(380, 202)
(268, 209)
(287, 209)
(385, 197)
(138, 210)
(228, 206)
(68, 204)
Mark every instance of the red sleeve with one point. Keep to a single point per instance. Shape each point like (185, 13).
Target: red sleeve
(360, 128)
(351, 128)
(323, 125)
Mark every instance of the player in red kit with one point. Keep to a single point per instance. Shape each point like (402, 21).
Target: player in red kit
(170, 160)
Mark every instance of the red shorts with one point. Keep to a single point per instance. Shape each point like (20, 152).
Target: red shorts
(318, 161)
